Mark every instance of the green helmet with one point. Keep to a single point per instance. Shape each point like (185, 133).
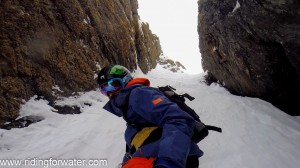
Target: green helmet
(114, 71)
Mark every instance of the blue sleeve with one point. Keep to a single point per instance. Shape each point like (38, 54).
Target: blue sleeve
(177, 125)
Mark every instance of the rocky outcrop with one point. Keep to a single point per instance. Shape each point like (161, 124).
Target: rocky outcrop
(167, 63)
(48, 44)
(253, 47)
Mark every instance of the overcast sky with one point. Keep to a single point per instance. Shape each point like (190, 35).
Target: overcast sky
(175, 23)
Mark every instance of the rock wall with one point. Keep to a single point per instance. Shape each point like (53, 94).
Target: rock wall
(253, 47)
(62, 43)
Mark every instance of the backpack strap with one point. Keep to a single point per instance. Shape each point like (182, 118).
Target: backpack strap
(214, 128)
(145, 136)
(141, 136)
(169, 92)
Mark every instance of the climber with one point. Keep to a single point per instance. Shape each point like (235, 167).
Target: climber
(158, 133)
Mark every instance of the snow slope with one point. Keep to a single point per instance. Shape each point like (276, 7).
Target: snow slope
(255, 133)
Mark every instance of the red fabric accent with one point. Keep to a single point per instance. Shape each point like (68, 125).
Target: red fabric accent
(156, 101)
(142, 81)
(139, 162)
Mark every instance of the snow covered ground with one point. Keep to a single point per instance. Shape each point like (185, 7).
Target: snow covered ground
(255, 133)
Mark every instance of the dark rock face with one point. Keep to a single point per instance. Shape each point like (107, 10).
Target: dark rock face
(254, 48)
(48, 43)
(23, 122)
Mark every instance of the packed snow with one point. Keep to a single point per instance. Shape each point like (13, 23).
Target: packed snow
(255, 133)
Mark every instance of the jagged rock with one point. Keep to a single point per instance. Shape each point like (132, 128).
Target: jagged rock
(170, 64)
(66, 109)
(59, 43)
(254, 48)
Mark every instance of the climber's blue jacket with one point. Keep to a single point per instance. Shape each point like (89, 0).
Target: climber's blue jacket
(149, 106)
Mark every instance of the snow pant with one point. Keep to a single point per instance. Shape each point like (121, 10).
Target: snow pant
(138, 162)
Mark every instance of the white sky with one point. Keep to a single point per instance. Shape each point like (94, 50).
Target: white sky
(175, 23)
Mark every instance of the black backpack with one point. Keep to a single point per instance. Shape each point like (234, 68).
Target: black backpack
(200, 130)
